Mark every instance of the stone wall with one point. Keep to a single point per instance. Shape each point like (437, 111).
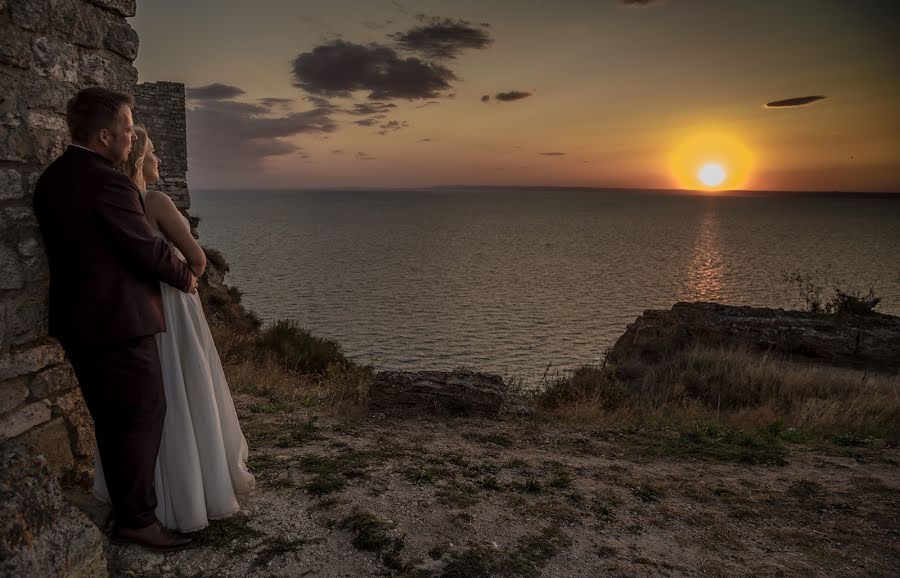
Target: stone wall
(159, 106)
(49, 49)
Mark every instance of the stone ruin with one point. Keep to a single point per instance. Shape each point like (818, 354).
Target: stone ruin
(49, 49)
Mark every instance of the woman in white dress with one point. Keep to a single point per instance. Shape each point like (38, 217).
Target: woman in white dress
(202, 459)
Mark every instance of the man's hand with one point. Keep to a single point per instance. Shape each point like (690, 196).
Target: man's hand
(193, 283)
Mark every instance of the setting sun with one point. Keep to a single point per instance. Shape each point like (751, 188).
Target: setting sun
(710, 161)
(711, 174)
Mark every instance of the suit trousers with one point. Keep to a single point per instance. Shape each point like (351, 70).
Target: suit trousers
(122, 386)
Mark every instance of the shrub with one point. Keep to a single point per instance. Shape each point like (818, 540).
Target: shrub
(844, 300)
(589, 384)
(298, 350)
(853, 302)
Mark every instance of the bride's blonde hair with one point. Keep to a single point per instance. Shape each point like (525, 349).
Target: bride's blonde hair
(134, 165)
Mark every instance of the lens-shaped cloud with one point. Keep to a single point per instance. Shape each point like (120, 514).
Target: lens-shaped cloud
(794, 102)
(512, 95)
(215, 91)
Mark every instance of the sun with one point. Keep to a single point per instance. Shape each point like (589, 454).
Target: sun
(712, 174)
(710, 161)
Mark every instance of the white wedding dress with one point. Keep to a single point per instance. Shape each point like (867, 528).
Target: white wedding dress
(201, 466)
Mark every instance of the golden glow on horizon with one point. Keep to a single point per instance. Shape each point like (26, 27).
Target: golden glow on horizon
(711, 161)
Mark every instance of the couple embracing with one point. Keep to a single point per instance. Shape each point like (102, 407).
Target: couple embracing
(124, 306)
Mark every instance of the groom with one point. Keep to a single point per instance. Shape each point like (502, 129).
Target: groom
(105, 304)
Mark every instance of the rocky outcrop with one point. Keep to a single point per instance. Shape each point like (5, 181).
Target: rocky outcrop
(860, 341)
(458, 393)
(41, 534)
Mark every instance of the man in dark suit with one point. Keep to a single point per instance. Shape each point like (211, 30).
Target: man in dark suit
(105, 304)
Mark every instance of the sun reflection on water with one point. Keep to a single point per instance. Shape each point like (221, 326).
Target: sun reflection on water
(704, 279)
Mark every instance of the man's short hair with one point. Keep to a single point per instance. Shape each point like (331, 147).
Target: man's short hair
(92, 109)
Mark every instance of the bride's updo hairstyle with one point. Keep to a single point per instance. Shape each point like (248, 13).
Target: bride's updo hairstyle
(134, 166)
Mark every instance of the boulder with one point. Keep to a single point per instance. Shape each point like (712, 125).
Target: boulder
(859, 341)
(41, 534)
(457, 393)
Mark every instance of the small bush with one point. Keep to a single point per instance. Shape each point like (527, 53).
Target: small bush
(853, 302)
(588, 384)
(216, 259)
(844, 300)
(299, 350)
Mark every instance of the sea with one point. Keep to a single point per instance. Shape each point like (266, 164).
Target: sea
(532, 282)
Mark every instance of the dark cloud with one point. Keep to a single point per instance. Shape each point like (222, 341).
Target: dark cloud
(215, 91)
(337, 151)
(341, 68)
(392, 126)
(275, 101)
(792, 102)
(444, 38)
(424, 140)
(511, 96)
(368, 121)
(230, 136)
(429, 103)
(639, 2)
(485, 98)
(554, 154)
(367, 108)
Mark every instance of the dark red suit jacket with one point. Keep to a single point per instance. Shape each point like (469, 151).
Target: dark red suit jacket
(105, 261)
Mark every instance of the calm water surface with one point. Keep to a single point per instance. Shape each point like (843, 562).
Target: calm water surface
(512, 281)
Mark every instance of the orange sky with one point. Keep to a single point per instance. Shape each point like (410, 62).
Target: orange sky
(615, 91)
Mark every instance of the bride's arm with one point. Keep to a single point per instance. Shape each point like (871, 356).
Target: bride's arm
(172, 225)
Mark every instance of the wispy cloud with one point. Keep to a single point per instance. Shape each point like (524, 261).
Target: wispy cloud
(554, 154)
(236, 136)
(444, 38)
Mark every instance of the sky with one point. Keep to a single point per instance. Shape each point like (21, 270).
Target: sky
(587, 93)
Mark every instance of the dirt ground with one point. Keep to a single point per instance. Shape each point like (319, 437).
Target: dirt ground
(524, 497)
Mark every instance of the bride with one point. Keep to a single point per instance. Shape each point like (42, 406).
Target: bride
(203, 454)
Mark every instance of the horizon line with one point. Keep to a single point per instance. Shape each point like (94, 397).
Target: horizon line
(690, 192)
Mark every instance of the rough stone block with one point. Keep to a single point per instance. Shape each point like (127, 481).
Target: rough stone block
(457, 393)
(16, 144)
(23, 419)
(51, 440)
(30, 360)
(13, 276)
(97, 70)
(126, 8)
(81, 426)
(54, 59)
(46, 94)
(42, 534)
(12, 393)
(30, 14)
(11, 185)
(48, 145)
(122, 39)
(53, 380)
(15, 50)
(47, 120)
(78, 22)
(26, 315)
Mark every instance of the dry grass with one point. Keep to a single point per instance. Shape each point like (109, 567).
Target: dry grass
(742, 388)
(341, 389)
